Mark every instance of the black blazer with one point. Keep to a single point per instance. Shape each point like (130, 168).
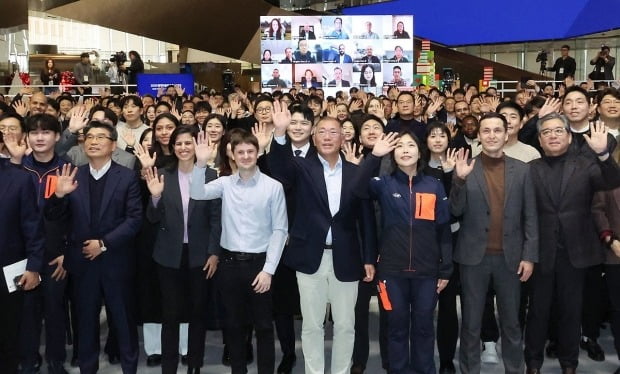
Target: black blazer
(568, 218)
(313, 217)
(120, 221)
(21, 225)
(203, 224)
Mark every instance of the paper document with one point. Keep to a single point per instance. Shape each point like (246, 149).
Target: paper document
(12, 271)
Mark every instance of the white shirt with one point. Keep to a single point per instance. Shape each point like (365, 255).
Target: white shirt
(254, 218)
(521, 152)
(333, 182)
(304, 149)
(98, 174)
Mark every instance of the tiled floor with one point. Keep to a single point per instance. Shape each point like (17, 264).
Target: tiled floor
(214, 352)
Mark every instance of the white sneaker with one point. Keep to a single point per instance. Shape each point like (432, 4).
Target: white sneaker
(489, 353)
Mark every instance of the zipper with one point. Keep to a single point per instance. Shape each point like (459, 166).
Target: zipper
(411, 211)
(40, 180)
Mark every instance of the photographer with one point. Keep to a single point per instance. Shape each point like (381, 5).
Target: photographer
(603, 65)
(116, 72)
(136, 67)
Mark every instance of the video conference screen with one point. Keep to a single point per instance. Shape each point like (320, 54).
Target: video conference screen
(337, 52)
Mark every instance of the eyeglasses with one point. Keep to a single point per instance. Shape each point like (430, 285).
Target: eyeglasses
(558, 131)
(100, 137)
(263, 110)
(331, 134)
(9, 128)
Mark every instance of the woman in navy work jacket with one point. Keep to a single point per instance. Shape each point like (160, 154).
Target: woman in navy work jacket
(415, 257)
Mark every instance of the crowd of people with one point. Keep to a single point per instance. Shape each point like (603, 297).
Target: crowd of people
(182, 214)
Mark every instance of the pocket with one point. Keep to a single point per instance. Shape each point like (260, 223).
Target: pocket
(383, 296)
(425, 206)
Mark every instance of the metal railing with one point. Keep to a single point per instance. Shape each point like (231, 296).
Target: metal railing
(96, 89)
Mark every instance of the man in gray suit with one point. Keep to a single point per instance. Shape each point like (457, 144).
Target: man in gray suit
(498, 241)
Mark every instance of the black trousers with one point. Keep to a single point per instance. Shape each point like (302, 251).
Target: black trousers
(285, 305)
(612, 276)
(10, 318)
(244, 306)
(361, 345)
(448, 320)
(594, 297)
(566, 283)
(44, 302)
(184, 292)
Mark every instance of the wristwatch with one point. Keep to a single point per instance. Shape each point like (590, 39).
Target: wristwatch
(102, 246)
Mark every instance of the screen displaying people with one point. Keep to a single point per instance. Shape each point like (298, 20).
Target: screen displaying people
(337, 51)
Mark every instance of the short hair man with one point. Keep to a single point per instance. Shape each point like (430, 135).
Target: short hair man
(498, 240)
(83, 72)
(609, 109)
(338, 32)
(342, 57)
(513, 147)
(405, 119)
(275, 80)
(565, 65)
(398, 55)
(101, 203)
(338, 81)
(254, 227)
(323, 240)
(369, 57)
(397, 78)
(369, 34)
(564, 182)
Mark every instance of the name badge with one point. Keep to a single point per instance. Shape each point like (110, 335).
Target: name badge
(51, 82)
(561, 71)
(602, 69)
(85, 78)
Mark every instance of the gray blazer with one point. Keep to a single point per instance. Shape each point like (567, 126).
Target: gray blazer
(78, 157)
(606, 213)
(468, 201)
(203, 224)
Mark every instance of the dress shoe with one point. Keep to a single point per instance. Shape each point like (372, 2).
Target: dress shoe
(287, 363)
(569, 370)
(250, 354)
(594, 350)
(114, 359)
(532, 371)
(56, 367)
(226, 356)
(184, 360)
(552, 349)
(447, 368)
(191, 370)
(489, 354)
(357, 369)
(153, 360)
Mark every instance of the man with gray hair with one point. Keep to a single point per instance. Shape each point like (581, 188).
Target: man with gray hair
(565, 182)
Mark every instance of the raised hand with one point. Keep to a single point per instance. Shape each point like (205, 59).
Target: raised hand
(462, 164)
(494, 103)
(65, 181)
(143, 155)
(551, 105)
(356, 104)
(281, 118)
(350, 153)
(597, 140)
(180, 90)
(453, 130)
(129, 137)
(449, 160)
(153, 183)
(21, 108)
(204, 149)
(332, 111)
(16, 147)
(263, 135)
(385, 145)
(160, 91)
(79, 118)
(175, 112)
(434, 107)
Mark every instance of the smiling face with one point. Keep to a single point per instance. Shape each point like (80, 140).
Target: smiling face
(42, 141)
(368, 73)
(513, 119)
(370, 132)
(184, 147)
(214, 130)
(437, 141)
(163, 129)
(342, 112)
(147, 142)
(299, 130)
(348, 131)
(575, 107)
(38, 103)
(328, 137)
(493, 136)
(406, 153)
(554, 138)
(303, 46)
(97, 143)
(609, 108)
(245, 156)
(150, 113)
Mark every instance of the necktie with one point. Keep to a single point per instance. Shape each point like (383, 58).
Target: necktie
(297, 152)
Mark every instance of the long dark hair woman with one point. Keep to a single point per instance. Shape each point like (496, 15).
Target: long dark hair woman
(136, 67)
(50, 76)
(186, 254)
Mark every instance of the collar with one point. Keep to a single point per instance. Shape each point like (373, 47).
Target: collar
(98, 174)
(326, 164)
(401, 176)
(236, 178)
(304, 149)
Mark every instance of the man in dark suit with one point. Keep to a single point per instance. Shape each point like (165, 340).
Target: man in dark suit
(342, 57)
(338, 81)
(307, 32)
(101, 202)
(498, 240)
(323, 241)
(369, 57)
(565, 181)
(21, 236)
(285, 292)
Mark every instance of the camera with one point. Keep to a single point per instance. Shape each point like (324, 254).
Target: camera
(119, 58)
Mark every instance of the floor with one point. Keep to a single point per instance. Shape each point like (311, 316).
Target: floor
(214, 352)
